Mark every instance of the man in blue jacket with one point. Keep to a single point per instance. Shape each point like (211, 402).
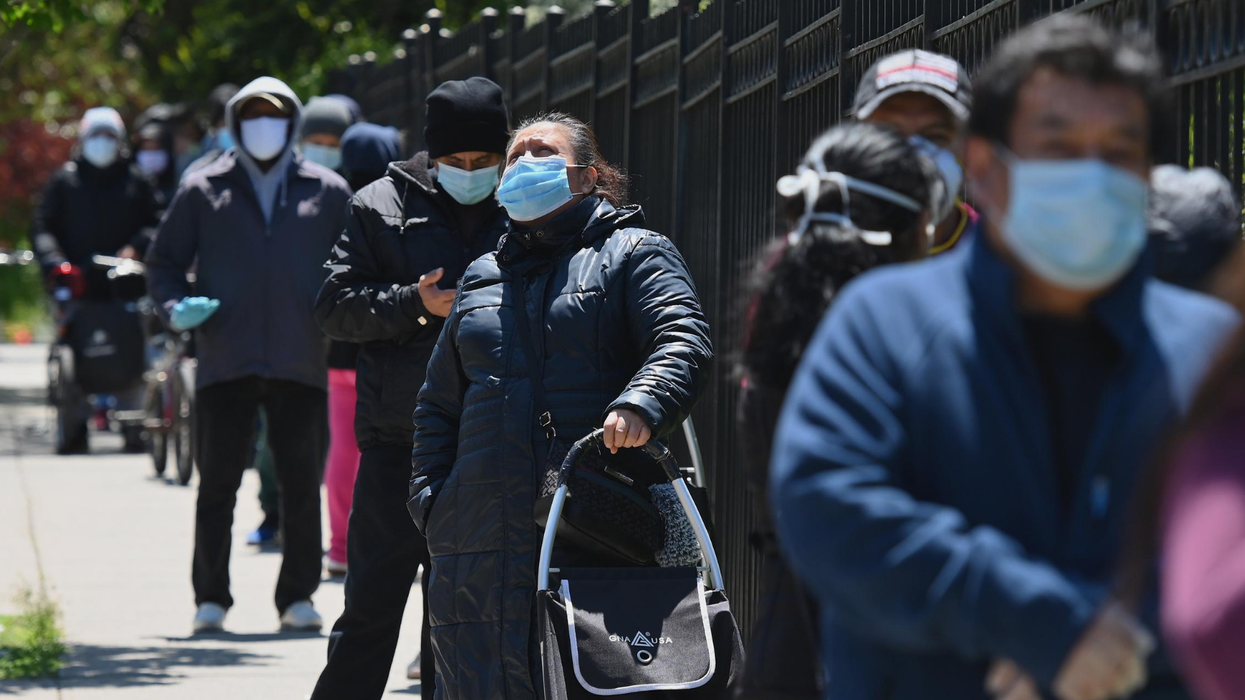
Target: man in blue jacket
(956, 454)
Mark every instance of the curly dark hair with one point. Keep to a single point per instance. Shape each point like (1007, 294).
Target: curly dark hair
(612, 180)
(795, 280)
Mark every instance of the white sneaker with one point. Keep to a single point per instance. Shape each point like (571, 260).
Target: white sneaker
(210, 617)
(301, 617)
(334, 567)
(416, 669)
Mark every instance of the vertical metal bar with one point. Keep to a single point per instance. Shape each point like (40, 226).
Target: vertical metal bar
(432, 36)
(639, 11)
(489, 17)
(411, 67)
(514, 26)
(553, 19)
(782, 134)
(601, 9)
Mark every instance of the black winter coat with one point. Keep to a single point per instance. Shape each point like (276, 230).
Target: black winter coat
(88, 211)
(614, 308)
(399, 228)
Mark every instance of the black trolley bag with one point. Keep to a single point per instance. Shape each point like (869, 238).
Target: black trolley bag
(637, 632)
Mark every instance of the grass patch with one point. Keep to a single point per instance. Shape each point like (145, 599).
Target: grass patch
(31, 642)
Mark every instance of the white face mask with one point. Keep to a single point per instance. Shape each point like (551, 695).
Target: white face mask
(100, 151)
(265, 137)
(152, 162)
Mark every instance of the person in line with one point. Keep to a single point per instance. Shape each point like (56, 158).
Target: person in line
(367, 150)
(153, 156)
(96, 204)
(1195, 224)
(409, 238)
(323, 122)
(626, 347)
(927, 97)
(218, 138)
(257, 222)
(859, 200)
(1197, 509)
(958, 448)
(325, 119)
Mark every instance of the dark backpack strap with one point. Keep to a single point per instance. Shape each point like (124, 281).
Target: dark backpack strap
(535, 360)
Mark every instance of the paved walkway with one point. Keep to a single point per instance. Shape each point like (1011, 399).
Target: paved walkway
(113, 543)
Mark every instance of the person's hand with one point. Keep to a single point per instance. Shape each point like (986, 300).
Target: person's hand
(438, 301)
(1007, 681)
(191, 312)
(624, 428)
(1108, 661)
(128, 252)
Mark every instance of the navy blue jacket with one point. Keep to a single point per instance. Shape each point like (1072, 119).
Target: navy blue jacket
(913, 483)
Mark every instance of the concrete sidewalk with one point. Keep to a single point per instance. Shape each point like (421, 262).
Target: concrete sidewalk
(113, 545)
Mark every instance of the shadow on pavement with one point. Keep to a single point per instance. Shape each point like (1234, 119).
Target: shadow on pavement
(415, 689)
(245, 638)
(22, 687)
(93, 666)
(24, 396)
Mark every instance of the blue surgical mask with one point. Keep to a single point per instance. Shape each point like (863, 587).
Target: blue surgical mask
(100, 151)
(1079, 224)
(328, 156)
(534, 187)
(951, 176)
(152, 162)
(467, 186)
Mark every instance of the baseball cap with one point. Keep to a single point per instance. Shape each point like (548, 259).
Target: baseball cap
(914, 70)
(275, 100)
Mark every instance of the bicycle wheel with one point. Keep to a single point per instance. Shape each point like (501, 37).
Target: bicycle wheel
(67, 400)
(159, 438)
(183, 433)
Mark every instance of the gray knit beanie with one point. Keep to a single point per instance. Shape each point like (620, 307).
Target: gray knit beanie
(326, 115)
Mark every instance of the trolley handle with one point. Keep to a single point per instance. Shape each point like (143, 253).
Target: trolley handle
(658, 452)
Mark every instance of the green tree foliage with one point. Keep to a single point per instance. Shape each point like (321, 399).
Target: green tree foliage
(196, 44)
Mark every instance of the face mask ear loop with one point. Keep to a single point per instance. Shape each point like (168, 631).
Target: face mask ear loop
(812, 189)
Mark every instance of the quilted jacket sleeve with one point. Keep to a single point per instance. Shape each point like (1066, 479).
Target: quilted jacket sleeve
(666, 321)
(437, 414)
(355, 304)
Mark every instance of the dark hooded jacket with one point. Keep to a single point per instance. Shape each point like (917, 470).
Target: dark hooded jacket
(266, 273)
(399, 228)
(88, 211)
(614, 309)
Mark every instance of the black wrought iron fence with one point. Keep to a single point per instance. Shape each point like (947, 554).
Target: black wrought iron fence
(706, 108)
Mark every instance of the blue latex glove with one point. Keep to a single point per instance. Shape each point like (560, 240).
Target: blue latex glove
(192, 312)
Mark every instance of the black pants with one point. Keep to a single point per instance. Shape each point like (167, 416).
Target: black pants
(384, 551)
(298, 436)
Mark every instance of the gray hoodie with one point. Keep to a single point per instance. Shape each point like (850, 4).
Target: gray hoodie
(267, 184)
(260, 240)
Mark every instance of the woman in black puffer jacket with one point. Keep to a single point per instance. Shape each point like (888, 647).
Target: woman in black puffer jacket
(624, 344)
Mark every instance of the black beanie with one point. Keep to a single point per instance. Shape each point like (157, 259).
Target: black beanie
(466, 115)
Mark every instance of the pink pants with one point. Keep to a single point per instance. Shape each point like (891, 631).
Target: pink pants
(343, 463)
